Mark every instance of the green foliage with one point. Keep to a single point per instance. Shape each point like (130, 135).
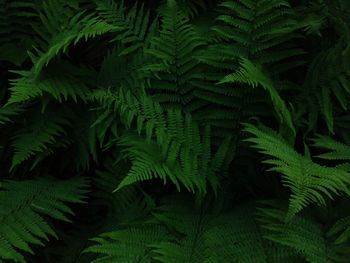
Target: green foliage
(23, 206)
(251, 75)
(154, 103)
(308, 181)
(174, 64)
(302, 234)
(133, 28)
(129, 245)
(37, 136)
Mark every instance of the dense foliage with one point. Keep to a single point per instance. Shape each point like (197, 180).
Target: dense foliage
(206, 131)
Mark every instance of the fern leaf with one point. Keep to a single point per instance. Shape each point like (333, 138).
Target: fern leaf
(173, 54)
(251, 75)
(37, 137)
(309, 182)
(303, 234)
(80, 26)
(22, 206)
(6, 112)
(336, 150)
(128, 245)
(133, 28)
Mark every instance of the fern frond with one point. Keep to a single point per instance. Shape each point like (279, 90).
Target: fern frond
(22, 209)
(16, 33)
(128, 245)
(340, 230)
(211, 238)
(122, 71)
(134, 28)
(257, 27)
(60, 87)
(6, 112)
(37, 137)
(336, 150)
(174, 146)
(251, 75)
(309, 182)
(303, 234)
(174, 64)
(80, 26)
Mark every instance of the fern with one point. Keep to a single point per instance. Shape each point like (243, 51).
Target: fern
(258, 30)
(6, 112)
(133, 28)
(185, 156)
(23, 206)
(195, 234)
(37, 137)
(151, 100)
(309, 182)
(129, 245)
(340, 230)
(336, 150)
(327, 74)
(251, 75)
(173, 52)
(80, 26)
(61, 88)
(301, 234)
(16, 35)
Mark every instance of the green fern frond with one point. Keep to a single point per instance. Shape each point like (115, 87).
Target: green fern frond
(38, 136)
(174, 146)
(340, 230)
(190, 8)
(80, 26)
(128, 245)
(16, 34)
(309, 182)
(122, 71)
(336, 150)
(251, 75)
(22, 209)
(303, 234)
(134, 28)
(6, 112)
(211, 238)
(174, 64)
(60, 88)
(178, 161)
(257, 27)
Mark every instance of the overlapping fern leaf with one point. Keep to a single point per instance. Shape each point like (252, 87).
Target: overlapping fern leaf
(303, 234)
(174, 65)
(195, 234)
(133, 28)
(327, 74)
(152, 98)
(251, 75)
(174, 147)
(308, 181)
(59, 32)
(61, 87)
(257, 30)
(24, 207)
(128, 245)
(16, 34)
(41, 133)
(254, 33)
